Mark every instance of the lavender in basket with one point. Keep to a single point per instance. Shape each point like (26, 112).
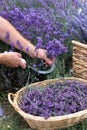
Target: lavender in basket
(58, 99)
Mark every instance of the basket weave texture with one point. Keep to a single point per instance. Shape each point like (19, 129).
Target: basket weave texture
(79, 60)
(40, 123)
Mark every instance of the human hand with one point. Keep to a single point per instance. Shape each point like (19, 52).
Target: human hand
(42, 54)
(12, 59)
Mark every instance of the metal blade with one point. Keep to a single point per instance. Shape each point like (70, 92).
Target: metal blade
(43, 71)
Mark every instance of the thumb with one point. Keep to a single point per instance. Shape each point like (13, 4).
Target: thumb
(22, 63)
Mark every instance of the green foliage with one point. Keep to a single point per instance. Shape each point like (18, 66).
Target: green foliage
(63, 67)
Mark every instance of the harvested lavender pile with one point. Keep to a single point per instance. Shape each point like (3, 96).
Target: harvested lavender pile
(57, 99)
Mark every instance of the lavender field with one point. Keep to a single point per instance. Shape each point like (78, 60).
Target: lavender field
(49, 25)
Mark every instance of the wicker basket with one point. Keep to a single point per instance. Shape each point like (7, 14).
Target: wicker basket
(79, 60)
(40, 123)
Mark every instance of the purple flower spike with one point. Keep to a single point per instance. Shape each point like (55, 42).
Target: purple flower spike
(39, 43)
(1, 112)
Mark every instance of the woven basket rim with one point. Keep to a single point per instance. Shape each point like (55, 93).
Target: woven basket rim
(55, 118)
(79, 44)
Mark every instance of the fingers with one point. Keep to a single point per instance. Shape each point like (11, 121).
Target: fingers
(53, 60)
(47, 60)
(21, 62)
(42, 54)
(18, 54)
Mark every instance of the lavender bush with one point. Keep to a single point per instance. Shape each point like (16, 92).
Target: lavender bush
(58, 99)
(1, 112)
(77, 23)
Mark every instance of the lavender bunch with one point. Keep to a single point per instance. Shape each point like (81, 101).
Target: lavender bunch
(58, 99)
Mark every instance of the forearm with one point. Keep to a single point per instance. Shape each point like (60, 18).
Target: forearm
(15, 36)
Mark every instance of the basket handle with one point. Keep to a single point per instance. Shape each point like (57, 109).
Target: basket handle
(11, 100)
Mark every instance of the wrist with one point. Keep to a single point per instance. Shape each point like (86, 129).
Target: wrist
(33, 52)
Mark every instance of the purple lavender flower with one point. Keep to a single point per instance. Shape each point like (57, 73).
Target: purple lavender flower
(39, 42)
(1, 112)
